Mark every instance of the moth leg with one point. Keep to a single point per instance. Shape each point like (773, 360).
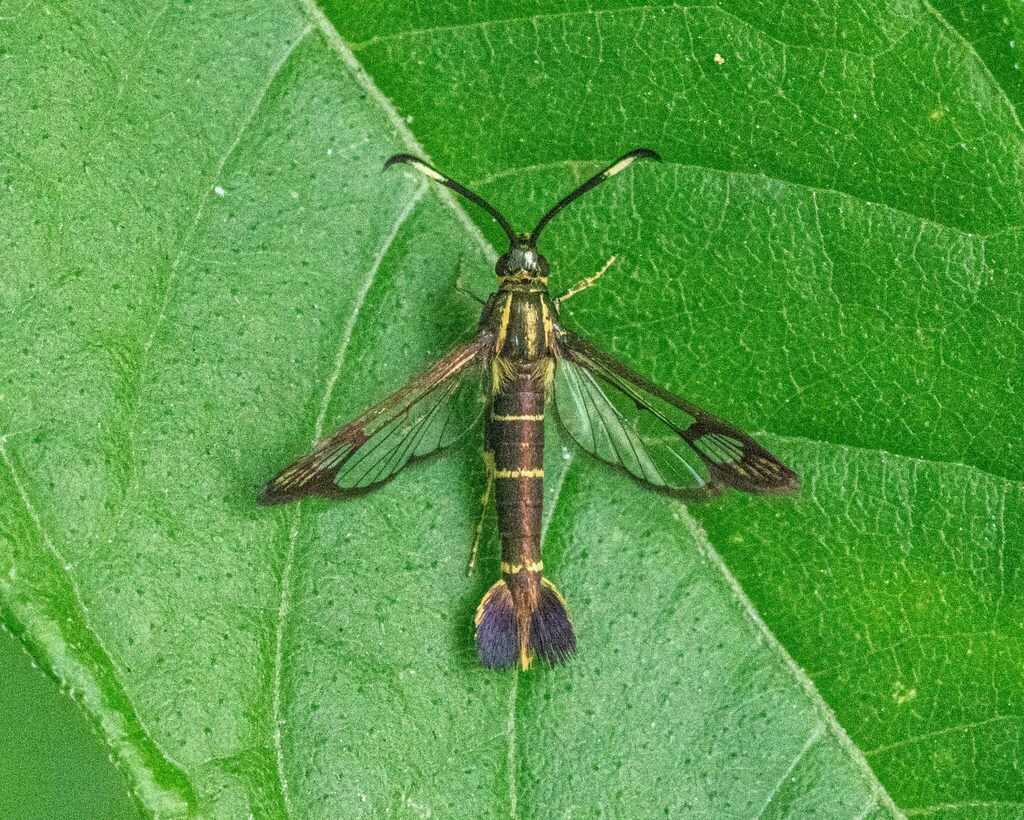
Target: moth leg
(459, 287)
(485, 499)
(583, 284)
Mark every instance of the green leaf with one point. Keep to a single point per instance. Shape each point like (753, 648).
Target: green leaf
(831, 252)
(48, 752)
(205, 269)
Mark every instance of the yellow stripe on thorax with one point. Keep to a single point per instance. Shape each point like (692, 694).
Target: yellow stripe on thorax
(536, 417)
(549, 328)
(506, 315)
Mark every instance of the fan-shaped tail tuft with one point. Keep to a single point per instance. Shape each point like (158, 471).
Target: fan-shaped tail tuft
(499, 642)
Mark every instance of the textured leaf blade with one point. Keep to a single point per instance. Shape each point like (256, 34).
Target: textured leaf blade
(831, 252)
(230, 256)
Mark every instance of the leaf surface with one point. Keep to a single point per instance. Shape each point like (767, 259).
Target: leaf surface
(205, 270)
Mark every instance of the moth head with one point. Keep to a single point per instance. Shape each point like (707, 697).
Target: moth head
(521, 261)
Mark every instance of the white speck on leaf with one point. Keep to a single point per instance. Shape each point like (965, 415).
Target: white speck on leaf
(901, 694)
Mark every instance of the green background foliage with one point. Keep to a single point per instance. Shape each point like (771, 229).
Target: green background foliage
(47, 751)
(204, 269)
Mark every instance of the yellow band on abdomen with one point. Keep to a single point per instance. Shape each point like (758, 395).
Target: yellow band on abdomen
(519, 474)
(512, 569)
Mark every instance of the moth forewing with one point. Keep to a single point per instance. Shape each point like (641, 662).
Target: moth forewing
(423, 416)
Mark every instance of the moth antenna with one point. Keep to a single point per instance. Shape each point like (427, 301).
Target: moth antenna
(429, 171)
(621, 164)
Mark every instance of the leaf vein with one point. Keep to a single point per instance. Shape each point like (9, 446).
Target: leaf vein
(935, 808)
(734, 173)
(825, 713)
(335, 42)
(512, 767)
(960, 727)
(135, 733)
(484, 25)
(954, 34)
(132, 412)
(284, 602)
(925, 461)
(812, 740)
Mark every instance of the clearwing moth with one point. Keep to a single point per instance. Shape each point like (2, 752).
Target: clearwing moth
(526, 356)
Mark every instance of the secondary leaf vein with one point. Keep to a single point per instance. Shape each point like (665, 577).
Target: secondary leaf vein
(106, 675)
(284, 603)
(954, 34)
(133, 411)
(827, 716)
(483, 25)
(733, 173)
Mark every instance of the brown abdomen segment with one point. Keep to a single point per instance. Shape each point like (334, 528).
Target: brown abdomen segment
(516, 433)
(522, 616)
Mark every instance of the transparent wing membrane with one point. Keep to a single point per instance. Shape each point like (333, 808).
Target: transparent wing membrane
(607, 423)
(429, 413)
(433, 422)
(667, 442)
